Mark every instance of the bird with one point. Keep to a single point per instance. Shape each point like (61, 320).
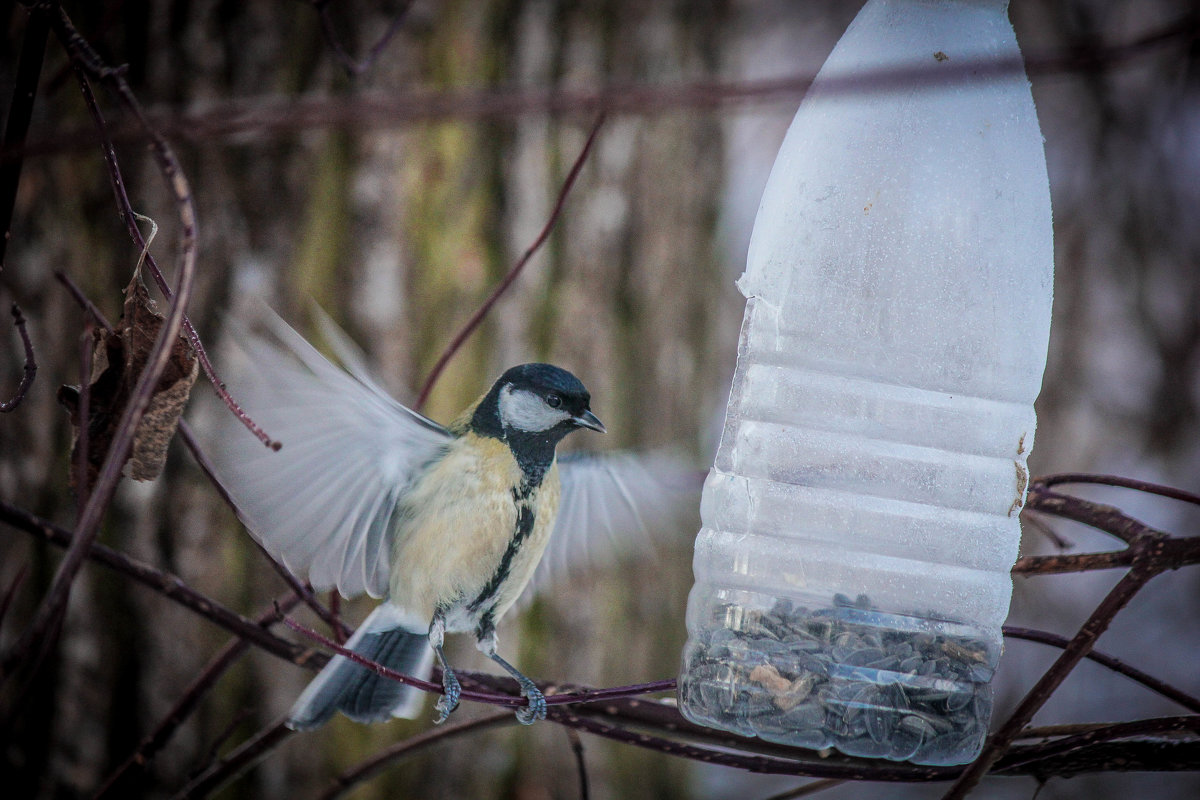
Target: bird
(446, 524)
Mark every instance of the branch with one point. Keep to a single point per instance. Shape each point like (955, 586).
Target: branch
(1036, 757)
(411, 746)
(30, 369)
(153, 742)
(302, 591)
(344, 58)
(169, 586)
(85, 60)
(556, 694)
(1124, 483)
(513, 273)
(232, 765)
(268, 116)
(1078, 647)
(20, 112)
(1150, 682)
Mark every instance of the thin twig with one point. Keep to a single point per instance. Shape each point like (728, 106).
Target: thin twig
(1133, 673)
(580, 763)
(83, 409)
(87, 305)
(168, 585)
(20, 112)
(1096, 624)
(808, 789)
(1056, 538)
(241, 758)
(1101, 517)
(265, 116)
(17, 580)
(189, 701)
(29, 371)
(86, 60)
(513, 273)
(1158, 727)
(1124, 483)
(409, 747)
(344, 58)
(304, 592)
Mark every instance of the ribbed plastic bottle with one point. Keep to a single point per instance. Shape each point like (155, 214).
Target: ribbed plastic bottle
(861, 517)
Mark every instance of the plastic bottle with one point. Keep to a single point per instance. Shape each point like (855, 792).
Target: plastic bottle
(860, 520)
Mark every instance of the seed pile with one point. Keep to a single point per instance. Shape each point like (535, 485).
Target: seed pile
(842, 677)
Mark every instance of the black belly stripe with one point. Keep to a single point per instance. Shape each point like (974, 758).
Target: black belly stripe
(523, 528)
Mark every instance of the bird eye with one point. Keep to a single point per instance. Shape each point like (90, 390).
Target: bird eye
(553, 400)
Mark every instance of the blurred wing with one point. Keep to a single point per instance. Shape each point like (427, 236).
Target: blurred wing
(615, 505)
(323, 503)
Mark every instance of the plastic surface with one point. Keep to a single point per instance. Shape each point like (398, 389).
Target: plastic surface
(860, 520)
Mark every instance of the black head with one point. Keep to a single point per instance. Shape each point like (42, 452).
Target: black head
(540, 401)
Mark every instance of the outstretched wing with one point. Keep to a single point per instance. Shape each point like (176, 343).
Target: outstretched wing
(615, 505)
(323, 503)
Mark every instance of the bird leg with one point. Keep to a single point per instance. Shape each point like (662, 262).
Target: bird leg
(536, 709)
(450, 684)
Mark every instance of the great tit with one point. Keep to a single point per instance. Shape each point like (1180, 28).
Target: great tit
(448, 524)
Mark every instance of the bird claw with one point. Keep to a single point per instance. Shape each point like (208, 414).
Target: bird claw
(536, 710)
(448, 701)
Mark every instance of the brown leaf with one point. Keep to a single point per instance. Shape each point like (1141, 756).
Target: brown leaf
(119, 358)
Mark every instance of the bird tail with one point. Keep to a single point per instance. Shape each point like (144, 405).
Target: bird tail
(388, 637)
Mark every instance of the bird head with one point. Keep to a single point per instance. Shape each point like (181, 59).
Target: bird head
(543, 400)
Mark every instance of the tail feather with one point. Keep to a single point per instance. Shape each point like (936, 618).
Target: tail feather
(387, 637)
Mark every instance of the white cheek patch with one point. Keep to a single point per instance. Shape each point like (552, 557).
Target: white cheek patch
(527, 411)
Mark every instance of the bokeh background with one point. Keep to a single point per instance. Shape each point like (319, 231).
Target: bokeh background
(399, 224)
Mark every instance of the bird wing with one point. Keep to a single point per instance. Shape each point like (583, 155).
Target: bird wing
(323, 503)
(613, 505)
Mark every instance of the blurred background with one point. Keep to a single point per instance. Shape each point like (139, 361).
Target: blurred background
(400, 223)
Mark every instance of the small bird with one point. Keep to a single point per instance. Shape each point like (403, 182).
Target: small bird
(447, 524)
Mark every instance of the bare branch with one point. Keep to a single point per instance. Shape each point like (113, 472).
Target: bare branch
(1079, 646)
(1149, 681)
(400, 751)
(20, 112)
(30, 368)
(168, 585)
(513, 273)
(344, 58)
(264, 116)
(302, 591)
(86, 60)
(87, 305)
(45, 620)
(241, 758)
(1124, 483)
(153, 742)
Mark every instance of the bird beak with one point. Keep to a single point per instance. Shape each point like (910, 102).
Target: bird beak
(589, 420)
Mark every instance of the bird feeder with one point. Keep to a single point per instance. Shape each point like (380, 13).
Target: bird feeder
(861, 517)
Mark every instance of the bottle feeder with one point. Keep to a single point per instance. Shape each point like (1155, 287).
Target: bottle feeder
(861, 517)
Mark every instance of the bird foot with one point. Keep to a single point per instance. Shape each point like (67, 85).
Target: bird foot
(448, 701)
(536, 710)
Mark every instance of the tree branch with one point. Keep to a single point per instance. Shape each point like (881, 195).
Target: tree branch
(30, 368)
(514, 273)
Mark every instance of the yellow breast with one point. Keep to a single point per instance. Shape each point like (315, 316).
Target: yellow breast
(458, 521)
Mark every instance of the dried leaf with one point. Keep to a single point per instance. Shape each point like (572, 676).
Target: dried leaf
(119, 358)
